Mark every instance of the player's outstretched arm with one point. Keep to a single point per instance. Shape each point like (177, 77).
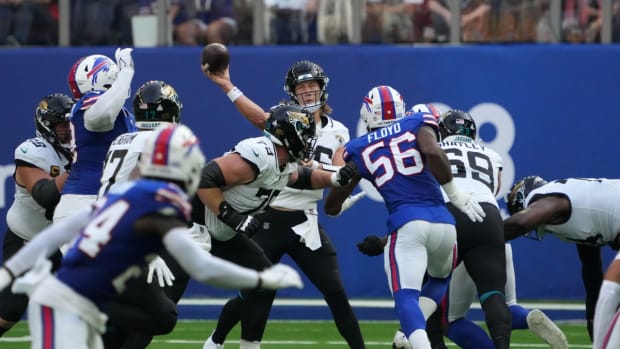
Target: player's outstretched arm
(46, 242)
(218, 272)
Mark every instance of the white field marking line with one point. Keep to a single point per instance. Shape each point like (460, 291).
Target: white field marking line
(25, 339)
(373, 303)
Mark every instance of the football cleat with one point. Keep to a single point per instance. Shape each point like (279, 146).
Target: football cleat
(400, 341)
(546, 329)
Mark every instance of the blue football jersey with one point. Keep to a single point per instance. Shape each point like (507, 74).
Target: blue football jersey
(91, 147)
(108, 252)
(391, 160)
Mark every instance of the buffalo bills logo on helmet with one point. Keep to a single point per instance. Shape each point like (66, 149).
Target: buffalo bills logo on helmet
(101, 64)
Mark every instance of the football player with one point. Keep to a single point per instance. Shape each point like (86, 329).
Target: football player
(578, 210)
(401, 157)
(41, 169)
(292, 215)
(101, 87)
(151, 312)
(238, 186)
(115, 238)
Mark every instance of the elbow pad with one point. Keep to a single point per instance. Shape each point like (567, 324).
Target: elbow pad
(212, 176)
(45, 193)
(304, 178)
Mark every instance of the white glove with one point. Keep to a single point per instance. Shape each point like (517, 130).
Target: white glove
(279, 276)
(464, 202)
(201, 236)
(5, 278)
(350, 201)
(164, 275)
(123, 58)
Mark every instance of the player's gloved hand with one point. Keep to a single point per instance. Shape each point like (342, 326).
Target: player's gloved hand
(350, 201)
(464, 202)
(158, 267)
(240, 222)
(123, 58)
(279, 276)
(344, 175)
(372, 245)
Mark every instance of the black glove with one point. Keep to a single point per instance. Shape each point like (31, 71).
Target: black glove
(240, 222)
(372, 245)
(346, 173)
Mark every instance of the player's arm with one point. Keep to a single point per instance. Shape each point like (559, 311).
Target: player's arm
(102, 114)
(229, 170)
(250, 110)
(218, 272)
(336, 198)
(44, 188)
(46, 242)
(545, 210)
(307, 178)
(435, 157)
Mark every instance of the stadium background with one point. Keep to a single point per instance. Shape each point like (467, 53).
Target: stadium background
(550, 110)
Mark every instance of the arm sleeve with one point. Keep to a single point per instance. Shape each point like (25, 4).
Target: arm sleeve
(48, 241)
(205, 267)
(100, 116)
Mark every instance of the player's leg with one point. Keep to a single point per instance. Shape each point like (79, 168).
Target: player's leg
(53, 328)
(141, 308)
(255, 304)
(606, 314)
(592, 276)
(321, 267)
(137, 339)
(485, 261)
(461, 294)
(13, 306)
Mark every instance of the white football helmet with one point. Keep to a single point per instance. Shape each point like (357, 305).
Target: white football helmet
(382, 106)
(171, 152)
(92, 73)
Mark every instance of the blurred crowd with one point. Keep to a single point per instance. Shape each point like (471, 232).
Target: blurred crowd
(197, 22)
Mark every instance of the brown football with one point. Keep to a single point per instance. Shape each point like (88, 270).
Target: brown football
(214, 57)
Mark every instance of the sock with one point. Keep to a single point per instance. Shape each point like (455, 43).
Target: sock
(419, 340)
(468, 335)
(519, 317)
(243, 344)
(497, 317)
(345, 319)
(435, 289)
(408, 309)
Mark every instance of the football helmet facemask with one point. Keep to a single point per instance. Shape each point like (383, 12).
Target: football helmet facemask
(306, 71)
(53, 110)
(172, 152)
(92, 73)
(381, 107)
(293, 127)
(156, 103)
(520, 190)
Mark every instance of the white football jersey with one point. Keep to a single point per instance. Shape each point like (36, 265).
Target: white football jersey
(475, 167)
(254, 197)
(121, 159)
(595, 209)
(26, 217)
(331, 136)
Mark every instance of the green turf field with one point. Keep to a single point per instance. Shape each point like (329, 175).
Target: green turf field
(304, 335)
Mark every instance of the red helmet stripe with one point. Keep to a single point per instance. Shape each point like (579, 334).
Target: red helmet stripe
(97, 68)
(71, 79)
(160, 152)
(387, 103)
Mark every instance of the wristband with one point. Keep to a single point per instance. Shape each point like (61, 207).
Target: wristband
(234, 94)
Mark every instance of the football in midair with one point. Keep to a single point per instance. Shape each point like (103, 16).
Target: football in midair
(214, 57)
